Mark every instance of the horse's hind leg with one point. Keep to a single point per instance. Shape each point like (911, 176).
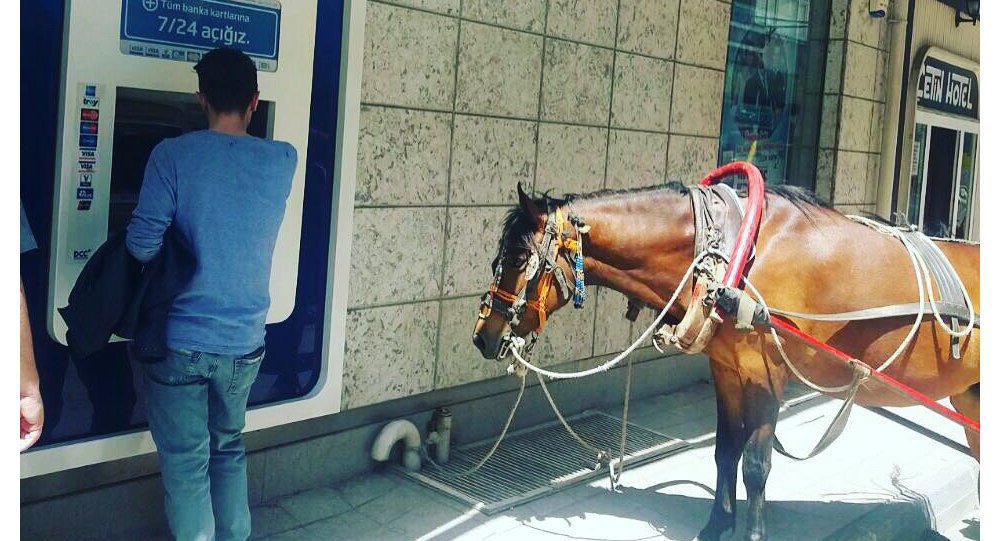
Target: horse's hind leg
(967, 404)
(730, 438)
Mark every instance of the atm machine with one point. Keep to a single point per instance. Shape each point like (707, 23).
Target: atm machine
(127, 83)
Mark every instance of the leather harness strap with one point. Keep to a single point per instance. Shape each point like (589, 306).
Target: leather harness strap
(948, 283)
(860, 374)
(718, 215)
(955, 311)
(952, 304)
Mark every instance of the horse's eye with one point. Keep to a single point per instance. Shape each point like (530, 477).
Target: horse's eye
(518, 261)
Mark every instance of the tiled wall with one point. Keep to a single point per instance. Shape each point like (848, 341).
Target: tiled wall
(854, 103)
(463, 99)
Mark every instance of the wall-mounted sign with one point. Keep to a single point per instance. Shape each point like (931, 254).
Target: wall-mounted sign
(184, 30)
(945, 87)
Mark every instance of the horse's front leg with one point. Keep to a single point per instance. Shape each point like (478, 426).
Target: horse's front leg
(730, 438)
(760, 415)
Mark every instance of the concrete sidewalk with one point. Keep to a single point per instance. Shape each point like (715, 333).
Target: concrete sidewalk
(879, 481)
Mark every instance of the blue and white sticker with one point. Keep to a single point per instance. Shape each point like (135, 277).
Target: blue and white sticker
(183, 30)
(88, 141)
(91, 98)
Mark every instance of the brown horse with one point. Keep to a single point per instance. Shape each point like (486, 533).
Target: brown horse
(810, 258)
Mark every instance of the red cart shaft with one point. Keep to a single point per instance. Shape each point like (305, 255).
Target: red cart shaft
(786, 329)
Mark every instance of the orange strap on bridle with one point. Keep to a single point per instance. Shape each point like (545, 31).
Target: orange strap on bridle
(538, 305)
(544, 282)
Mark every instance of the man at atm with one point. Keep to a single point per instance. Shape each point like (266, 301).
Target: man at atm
(224, 192)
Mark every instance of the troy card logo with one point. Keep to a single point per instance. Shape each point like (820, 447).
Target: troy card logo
(90, 98)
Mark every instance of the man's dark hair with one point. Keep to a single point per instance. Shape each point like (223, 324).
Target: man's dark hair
(228, 79)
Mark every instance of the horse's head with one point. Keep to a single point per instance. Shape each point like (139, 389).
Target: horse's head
(530, 279)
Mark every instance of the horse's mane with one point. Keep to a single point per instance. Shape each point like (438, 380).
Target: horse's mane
(519, 226)
(801, 197)
(673, 187)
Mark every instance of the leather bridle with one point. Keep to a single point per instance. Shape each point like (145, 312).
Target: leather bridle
(542, 269)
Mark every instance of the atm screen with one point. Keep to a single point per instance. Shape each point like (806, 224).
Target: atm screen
(143, 118)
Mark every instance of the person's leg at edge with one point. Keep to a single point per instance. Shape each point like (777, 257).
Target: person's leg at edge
(227, 405)
(177, 410)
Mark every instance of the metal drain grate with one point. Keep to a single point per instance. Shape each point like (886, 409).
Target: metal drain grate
(541, 460)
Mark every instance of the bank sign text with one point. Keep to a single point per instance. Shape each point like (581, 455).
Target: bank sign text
(186, 29)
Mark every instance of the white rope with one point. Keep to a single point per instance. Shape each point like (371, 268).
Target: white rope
(517, 342)
(503, 433)
(784, 356)
(924, 277)
(921, 273)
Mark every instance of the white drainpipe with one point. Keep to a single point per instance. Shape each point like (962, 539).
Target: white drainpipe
(402, 429)
(391, 433)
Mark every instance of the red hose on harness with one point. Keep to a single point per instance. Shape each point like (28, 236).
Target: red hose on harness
(751, 220)
(738, 260)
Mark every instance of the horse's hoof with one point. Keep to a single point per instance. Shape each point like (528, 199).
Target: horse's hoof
(712, 534)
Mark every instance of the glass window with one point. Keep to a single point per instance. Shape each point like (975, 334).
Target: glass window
(774, 87)
(917, 174)
(966, 180)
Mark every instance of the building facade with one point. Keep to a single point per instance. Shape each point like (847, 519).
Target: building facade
(461, 101)
(448, 105)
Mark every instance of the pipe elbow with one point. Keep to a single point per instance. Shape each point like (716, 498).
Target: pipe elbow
(393, 432)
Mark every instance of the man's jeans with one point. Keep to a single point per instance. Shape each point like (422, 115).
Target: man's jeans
(196, 404)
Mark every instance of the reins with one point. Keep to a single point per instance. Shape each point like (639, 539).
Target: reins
(746, 312)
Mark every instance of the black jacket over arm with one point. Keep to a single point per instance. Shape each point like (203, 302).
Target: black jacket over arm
(116, 294)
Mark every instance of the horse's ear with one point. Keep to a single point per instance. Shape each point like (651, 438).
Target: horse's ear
(529, 205)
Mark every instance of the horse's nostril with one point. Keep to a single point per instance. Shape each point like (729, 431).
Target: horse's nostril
(478, 342)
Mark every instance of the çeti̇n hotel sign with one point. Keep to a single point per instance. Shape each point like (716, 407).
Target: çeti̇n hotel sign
(948, 88)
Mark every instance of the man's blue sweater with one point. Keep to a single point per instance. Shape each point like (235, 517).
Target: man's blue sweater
(226, 196)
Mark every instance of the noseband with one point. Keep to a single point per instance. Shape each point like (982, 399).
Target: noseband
(555, 242)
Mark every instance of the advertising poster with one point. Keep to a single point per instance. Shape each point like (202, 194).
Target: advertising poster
(758, 93)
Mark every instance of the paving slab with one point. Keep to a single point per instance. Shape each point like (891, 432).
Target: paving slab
(880, 481)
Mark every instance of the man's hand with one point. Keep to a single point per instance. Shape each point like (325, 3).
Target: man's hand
(32, 418)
